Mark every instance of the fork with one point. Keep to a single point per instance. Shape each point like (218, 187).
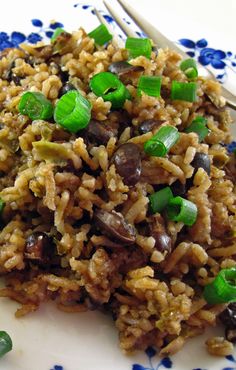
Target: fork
(157, 37)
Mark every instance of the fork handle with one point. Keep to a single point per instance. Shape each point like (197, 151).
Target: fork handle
(230, 98)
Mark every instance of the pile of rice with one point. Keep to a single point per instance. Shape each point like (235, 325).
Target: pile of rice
(154, 296)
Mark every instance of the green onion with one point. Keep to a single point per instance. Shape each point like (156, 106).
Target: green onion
(223, 288)
(150, 85)
(2, 205)
(180, 209)
(110, 88)
(5, 343)
(56, 33)
(137, 47)
(198, 125)
(160, 199)
(72, 111)
(184, 91)
(162, 141)
(100, 35)
(189, 67)
(35, 106)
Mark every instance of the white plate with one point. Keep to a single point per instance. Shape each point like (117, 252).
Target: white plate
(49, 339)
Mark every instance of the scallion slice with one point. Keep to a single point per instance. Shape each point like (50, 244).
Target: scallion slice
(5, 343)
(56, 33)
(72, 111)
(101, 35)
(186, 91)
(198, 125)
(110, 88)
(189, 67)
(162, 141)
(150, 85)
(2, 205)
(223, 288)
(182, 210)
(35, 106)
(138, 46)
(160, 199)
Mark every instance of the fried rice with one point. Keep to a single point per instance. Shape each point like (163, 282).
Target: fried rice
(152, 285)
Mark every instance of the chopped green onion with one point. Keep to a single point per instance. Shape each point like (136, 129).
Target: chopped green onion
(5, 343)
(223, 288)
(101, 35)
(180, 209)
(35, 105)
(189, 67)
(137, 47)
(162, 141)
(2, 205)
(186, 91)
(72, 111)
(160, 199)
(56, 33)
(198, 125)
(110, 88)
(150, 85)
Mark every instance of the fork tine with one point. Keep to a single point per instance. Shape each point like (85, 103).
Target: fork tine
(116, 39)
(159, 39)
(121, 23)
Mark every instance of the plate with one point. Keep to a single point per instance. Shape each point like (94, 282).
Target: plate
(50, 339)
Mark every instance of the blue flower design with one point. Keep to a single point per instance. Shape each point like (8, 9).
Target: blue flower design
(164, 363)
(213, 57)
(231, 147)
(207, 56)
(57, 367)
(11, 41)
(33, 38)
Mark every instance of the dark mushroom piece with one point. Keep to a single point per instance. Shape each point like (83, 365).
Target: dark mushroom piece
(114, 225)
(122, 67)
(98, 132)
(148, 125)
(228, 319)
(39, 248)
(65, 88)
(158, 232)
(202, 160)
(127, 160)
(178, 188)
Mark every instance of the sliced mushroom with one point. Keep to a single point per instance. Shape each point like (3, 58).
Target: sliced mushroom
(148, 125)
(98, 132)
(122, 67)
(158, 232)
(127, 160)
(38, 248)
(114, 225)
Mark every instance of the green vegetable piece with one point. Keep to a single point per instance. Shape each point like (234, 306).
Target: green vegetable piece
(160, 199)
(150, 85)
(35, 106)
(182, 210)
(101, 35)
(5, 343)
(138, 46)
(186, 91)
(162, 141)
(110, 88)
(72, 111)
(223, 288)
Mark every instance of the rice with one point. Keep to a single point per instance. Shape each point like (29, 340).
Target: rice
(53, 183)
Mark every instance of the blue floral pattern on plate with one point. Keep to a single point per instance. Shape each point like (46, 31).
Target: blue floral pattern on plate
(164, 363)
(207, 56)
(14, 39)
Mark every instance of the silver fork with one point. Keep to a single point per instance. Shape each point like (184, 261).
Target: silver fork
(157, 37)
